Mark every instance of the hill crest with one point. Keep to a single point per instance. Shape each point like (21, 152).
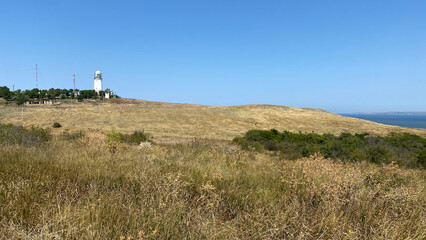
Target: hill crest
(182, 120)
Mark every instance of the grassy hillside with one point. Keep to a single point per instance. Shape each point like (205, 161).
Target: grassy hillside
(97, 185)
(168, 120)
(78, 189)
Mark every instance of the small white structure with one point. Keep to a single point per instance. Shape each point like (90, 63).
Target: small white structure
(98, 81)
(108, 93)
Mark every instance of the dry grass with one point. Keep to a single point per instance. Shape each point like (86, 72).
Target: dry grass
(198, 189)
(201, 190)
(167, 120)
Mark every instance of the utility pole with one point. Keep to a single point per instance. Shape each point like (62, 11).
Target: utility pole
(73, 78)
(36, 77)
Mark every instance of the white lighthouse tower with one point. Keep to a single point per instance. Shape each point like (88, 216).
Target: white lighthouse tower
(98, 81)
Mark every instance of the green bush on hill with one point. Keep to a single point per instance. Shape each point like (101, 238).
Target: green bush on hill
(18, 135)
(135, 138)
(114, 139)
(402, 148)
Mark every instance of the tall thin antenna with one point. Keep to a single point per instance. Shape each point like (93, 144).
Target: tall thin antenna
(13, 87)
(73, 78)
(36, 77)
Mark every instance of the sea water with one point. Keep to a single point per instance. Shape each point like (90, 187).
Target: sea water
(403, 120)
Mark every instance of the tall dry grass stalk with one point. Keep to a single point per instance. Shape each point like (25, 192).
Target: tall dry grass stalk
(201, 190)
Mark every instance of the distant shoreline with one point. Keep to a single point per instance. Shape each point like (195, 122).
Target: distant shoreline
(385, 113)
(411, 120)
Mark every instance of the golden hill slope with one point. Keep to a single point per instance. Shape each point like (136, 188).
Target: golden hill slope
(173, 120)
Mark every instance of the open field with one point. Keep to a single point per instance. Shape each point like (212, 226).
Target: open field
(84, 186)
(77, 189)
(168, 120)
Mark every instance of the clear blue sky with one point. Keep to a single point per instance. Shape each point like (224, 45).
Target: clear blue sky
(342, 56)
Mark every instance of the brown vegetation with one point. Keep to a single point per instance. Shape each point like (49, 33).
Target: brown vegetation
(92, 185)
(76, 189)
(168, 120)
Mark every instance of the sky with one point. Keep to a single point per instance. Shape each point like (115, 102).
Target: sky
(342, 56)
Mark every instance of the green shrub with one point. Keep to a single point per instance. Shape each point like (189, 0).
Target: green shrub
(72, 136)
(404, 149)
(135, 138)
(113, 141)
(18, 135)
(421, 158)
(56, 125)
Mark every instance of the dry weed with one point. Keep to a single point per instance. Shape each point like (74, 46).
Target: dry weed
(200, 189)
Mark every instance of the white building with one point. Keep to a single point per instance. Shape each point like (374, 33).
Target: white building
(98, 81)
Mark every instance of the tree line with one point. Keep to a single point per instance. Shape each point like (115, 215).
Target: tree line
(35, 94)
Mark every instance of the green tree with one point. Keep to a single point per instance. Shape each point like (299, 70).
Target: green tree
(87, 93)
(5, 93)
(51, 94)
(33, 93)
(21, 99)
(101, 94)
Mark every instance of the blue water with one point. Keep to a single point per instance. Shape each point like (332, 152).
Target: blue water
(412, 121)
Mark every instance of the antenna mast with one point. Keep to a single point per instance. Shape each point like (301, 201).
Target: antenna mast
(73, 78)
